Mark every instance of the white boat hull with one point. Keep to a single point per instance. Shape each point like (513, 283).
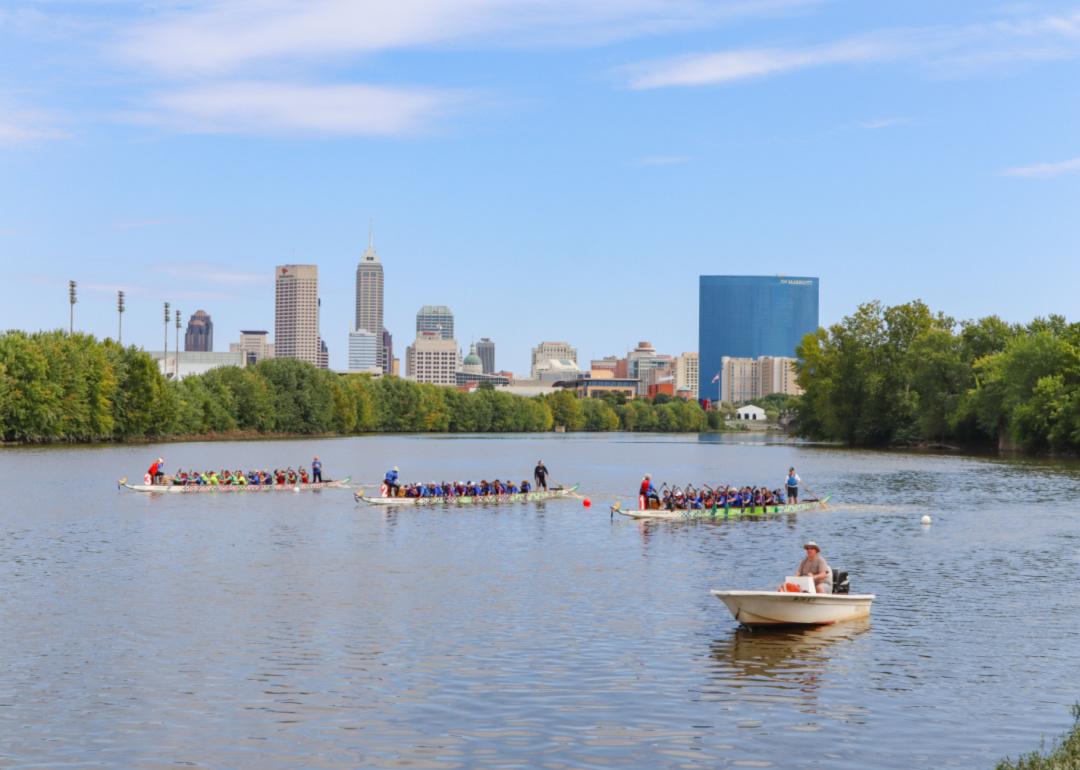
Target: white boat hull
(181, 489)
(776, 608)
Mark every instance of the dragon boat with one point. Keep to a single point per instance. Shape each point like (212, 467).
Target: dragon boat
(215, 488)
(719, 512)
(519, 497)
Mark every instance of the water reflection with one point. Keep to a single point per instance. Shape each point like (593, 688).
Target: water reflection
(783, 664)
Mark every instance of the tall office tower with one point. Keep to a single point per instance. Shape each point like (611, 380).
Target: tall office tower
(435, 318)
(364, 351)
(641, 361)
(387, 352)
(199, 337)
(296, 313)
(254, 345)
(687, 373)
(433, 359)
(369, 295)
(748, 316)
(485, 348)
(548, 351)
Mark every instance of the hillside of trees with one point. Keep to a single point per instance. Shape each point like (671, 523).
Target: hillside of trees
(904, 374)
(58, 387)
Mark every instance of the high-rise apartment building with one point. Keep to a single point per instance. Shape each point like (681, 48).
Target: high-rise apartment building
(296, 313)
(687, 374)
(747, 379)
(369, 296)
(485, 348)
(323, 361)
(364, 351)
(437, 319)
(254, 345)
(551, 351)
(432, 359)
(776, 374)
(747, 316)
(199, 337)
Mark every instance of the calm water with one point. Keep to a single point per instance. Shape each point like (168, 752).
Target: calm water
(303, 630)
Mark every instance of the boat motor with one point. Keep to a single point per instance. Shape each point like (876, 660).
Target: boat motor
(841, 584)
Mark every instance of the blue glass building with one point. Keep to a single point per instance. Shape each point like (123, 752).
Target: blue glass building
(747, 316)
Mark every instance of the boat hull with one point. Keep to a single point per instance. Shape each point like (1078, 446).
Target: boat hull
(183, 489)
(721, 513)
(520, 497)
(775, 608)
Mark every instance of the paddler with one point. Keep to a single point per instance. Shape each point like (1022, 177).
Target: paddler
(316, 471)
(391, 482)
(156, 471)
(540, 474)
(815, 566)
(792, 484)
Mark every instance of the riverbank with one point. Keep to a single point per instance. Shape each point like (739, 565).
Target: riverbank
(1064, 754)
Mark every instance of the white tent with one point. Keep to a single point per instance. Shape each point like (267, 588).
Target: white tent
(750, 412)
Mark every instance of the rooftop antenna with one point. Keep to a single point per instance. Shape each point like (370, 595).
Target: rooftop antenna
(370, 233)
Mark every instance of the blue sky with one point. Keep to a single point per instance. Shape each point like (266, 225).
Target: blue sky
(550, 169)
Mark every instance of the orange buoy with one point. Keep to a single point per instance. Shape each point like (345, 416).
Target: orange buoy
(587, 502)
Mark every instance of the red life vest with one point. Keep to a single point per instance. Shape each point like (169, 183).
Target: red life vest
(645, 487)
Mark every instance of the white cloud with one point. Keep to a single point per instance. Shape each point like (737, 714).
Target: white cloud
(22, 126)
(730, 66)
(943, 50)
(1045, 170)
(223, 36)
(247, 107)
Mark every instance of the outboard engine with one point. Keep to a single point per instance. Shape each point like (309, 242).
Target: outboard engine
(841, 584)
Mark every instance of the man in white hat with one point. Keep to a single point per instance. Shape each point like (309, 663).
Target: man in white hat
(815, 566)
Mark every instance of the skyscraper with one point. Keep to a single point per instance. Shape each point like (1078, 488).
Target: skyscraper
(387, 352)
(363, 351)
(747, 316)
(369, 296)
(435, 318)
(199, 337)
(296, 313)
(485, 348)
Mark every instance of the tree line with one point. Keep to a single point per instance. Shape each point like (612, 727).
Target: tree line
(900, 374)
(56, 386)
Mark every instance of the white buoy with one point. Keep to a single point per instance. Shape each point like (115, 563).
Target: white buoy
(926, 520)
(297, 489)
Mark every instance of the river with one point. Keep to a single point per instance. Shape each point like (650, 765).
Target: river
(305, 630)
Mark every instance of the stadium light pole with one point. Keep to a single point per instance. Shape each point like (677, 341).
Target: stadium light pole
(73, 297)
(120, 317)
(165, 352)
(177, 345)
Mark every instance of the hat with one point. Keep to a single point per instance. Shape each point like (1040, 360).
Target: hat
(812, 544)
(395, 467)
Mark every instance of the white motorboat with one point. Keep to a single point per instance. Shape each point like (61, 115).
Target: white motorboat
(794, 608)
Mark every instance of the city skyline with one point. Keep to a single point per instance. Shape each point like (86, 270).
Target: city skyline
(897, 151)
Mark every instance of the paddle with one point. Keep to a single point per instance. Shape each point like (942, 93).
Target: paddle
(820, 499)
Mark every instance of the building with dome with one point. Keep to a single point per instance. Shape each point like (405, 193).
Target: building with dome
(472, 372)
